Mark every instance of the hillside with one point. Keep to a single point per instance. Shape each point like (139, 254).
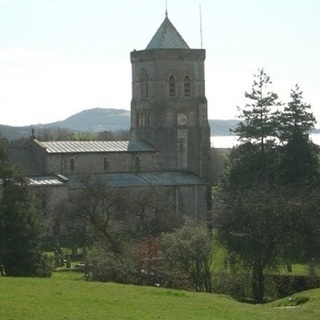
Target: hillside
(97, 120)
(68, 296)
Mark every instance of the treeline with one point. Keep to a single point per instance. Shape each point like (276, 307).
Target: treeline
(60, 134)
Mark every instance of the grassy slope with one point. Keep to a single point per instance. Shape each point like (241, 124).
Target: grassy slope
(68, 297)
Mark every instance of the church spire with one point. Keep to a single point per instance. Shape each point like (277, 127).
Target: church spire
(167, 37)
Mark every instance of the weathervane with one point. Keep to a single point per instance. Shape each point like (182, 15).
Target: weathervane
(200, 11)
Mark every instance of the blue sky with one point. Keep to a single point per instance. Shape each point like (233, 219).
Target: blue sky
(59, 57)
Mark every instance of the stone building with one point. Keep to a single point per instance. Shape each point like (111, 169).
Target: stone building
(170, 136)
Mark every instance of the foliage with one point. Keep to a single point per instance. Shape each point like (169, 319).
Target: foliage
(247, 165)
(299, 161)
(189, 250)
(20, 228)
(111, 223)
(98, 213)
(258, 125)
(258, 224)
(115, 267)
(267, 207)
(254, 159)
(296, 118)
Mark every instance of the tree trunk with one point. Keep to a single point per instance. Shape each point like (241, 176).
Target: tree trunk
(258, 283)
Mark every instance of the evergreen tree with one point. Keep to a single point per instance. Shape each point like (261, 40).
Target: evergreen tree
(259, 218)
(299, 156)
(20, 229)
(253, 160)
(258, 125)
(299, 169)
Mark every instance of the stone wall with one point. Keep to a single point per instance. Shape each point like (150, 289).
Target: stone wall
(88, 163)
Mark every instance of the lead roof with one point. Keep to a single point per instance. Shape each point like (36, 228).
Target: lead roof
(140, 179)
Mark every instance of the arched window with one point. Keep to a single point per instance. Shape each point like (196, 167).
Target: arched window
(105, 164)
(187, 86)
(72, 165)
(172, 86)
(147, 119)
(143, 119)
(170, 118)
(181, 145)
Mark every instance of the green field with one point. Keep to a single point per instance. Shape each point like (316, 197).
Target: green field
(67, 296)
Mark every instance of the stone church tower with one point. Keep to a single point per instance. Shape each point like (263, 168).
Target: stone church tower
(169, 107)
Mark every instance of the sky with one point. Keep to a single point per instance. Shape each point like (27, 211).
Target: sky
(59, 57)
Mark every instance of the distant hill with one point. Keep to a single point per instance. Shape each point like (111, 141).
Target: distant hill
(95, 120)
(100, 119)
(91, 120)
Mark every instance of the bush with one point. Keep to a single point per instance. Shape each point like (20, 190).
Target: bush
(111, 267)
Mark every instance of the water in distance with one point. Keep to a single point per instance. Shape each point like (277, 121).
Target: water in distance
(232, 141)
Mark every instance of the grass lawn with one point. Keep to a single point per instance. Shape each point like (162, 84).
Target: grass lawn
(67, 296)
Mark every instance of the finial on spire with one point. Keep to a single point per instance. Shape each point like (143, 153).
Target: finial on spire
(200, 11)
(167, 8)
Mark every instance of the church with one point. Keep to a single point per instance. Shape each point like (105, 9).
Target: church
(169, 144)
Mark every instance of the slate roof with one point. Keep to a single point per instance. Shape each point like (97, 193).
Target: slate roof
(139, 179)
(94, 146)
(167, 37)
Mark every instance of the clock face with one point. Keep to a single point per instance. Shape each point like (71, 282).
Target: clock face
(182, 119)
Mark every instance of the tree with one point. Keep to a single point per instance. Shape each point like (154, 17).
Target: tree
(299, 169)
(20, 228)
(258, 125)
(257, 224)
(111, 221)
(189, 250)
(257, 134)
(97, 210)
(299, 156)
(264, 203)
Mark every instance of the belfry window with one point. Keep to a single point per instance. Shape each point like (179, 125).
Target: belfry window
(172, 86)
(187, 86)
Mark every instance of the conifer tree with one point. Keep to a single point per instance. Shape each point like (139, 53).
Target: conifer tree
(258, 124)
(299, 161)
(20, 228)
(254, 159)
(265, 206)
